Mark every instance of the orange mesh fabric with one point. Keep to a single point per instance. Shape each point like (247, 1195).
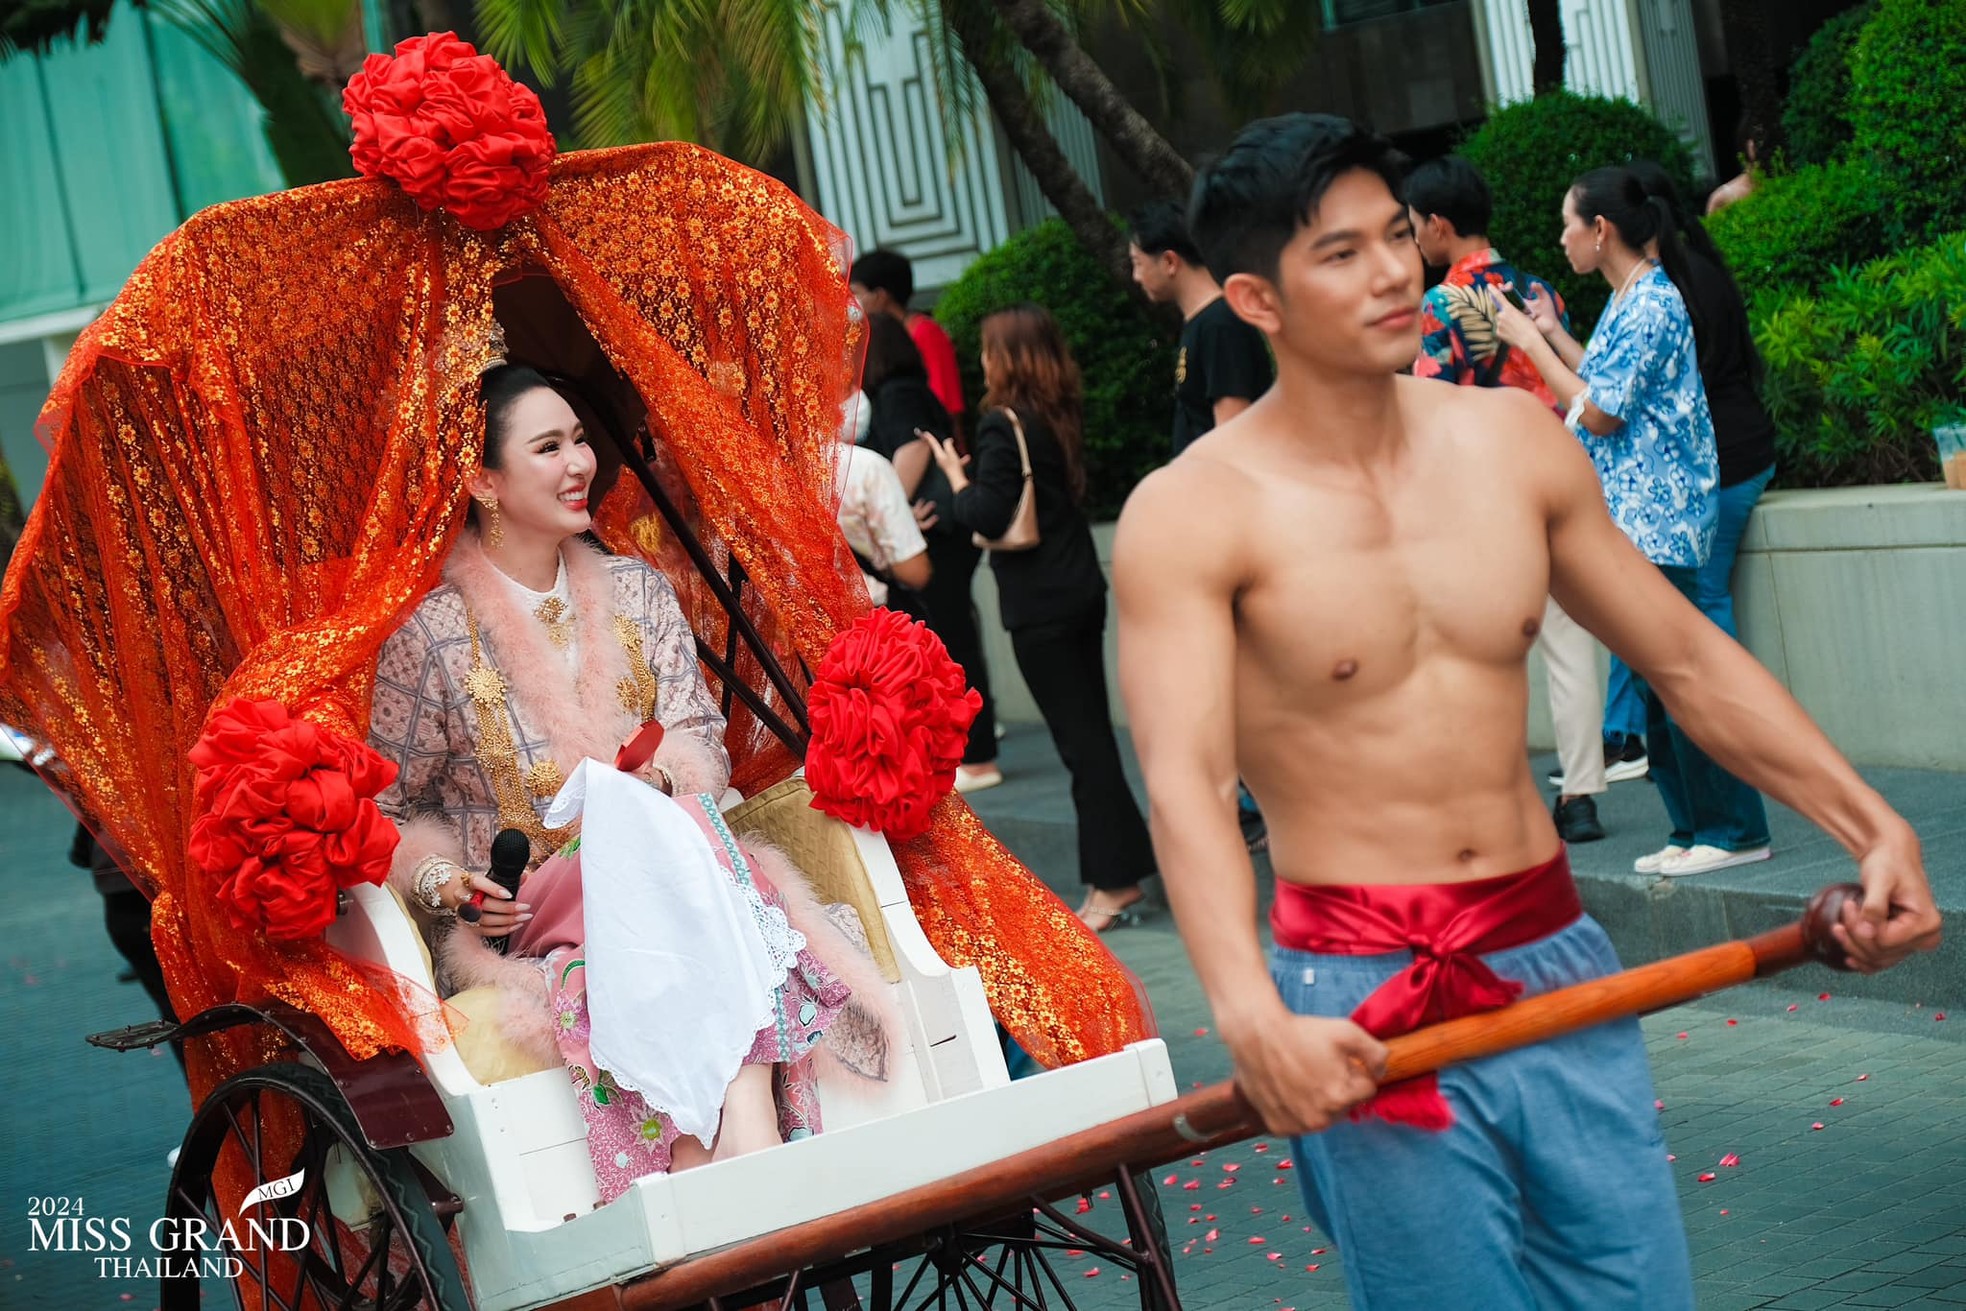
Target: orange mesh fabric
(257, 465)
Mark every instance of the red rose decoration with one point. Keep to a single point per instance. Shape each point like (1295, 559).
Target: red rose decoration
(890, 719)
(286, 817)
(452, 128)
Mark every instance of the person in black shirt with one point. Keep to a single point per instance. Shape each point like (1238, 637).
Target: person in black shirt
(901, 407)
(1223, 364)
(1053, 596)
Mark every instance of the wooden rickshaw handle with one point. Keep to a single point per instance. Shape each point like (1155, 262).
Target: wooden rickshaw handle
(1219, 1115)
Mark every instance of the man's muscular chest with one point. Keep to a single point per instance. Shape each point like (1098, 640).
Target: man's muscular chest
(1358, 595)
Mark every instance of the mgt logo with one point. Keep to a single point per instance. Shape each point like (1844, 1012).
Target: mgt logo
(182, 1245)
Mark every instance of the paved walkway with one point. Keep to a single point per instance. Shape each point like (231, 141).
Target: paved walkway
(1870, 1210)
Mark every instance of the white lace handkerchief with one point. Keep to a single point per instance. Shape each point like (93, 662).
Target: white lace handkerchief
(679, 979)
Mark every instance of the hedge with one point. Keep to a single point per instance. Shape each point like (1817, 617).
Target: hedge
(1127, 356)
(1908, 111)
(1859, 373)
(1816, 116)
(1797, 229)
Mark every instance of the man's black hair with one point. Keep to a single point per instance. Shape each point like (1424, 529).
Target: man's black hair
(1249, 202)
(1453, 189)
(1158, 227)
(885, 270)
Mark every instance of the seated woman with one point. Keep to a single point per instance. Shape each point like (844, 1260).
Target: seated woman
(538, 652)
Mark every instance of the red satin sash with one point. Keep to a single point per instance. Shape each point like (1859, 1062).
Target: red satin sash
(1447, 927)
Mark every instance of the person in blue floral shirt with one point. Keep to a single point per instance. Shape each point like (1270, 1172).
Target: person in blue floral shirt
(1635, 398)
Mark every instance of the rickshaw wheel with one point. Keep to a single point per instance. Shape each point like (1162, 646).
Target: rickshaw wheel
(375, 1241)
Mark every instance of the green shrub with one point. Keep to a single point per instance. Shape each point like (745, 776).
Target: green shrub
(1908, 111)
(1533, 151)
(1859, 373)
(1126, 356)
(1816, 116)
(1797, 228)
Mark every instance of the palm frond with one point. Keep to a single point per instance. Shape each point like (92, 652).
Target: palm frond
(527, 34)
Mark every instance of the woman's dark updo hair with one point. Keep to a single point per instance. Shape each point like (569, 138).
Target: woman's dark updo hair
(1700, 246)
(891, 352)
(1618, 196)
(499, 388)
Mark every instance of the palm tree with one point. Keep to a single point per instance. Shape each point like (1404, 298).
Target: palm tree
(738, 75)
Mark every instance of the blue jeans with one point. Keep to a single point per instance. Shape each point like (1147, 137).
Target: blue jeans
(1706, 805)
(1624, 694)
(1551, 1189)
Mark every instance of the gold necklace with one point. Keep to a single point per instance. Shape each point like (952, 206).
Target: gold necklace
(553, 613)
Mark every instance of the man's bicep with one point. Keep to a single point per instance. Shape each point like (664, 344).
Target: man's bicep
(1177, 647)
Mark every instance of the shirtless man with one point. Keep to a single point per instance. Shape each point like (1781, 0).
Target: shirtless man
(1334, 594)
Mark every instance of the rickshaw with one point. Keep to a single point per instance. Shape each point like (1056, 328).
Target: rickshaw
(257, 458)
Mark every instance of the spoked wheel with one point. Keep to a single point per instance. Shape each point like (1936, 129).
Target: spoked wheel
(353, 1228)
(1009, 1265)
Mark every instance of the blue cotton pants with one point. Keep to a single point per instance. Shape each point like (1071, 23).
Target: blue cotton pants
(1551, 1190)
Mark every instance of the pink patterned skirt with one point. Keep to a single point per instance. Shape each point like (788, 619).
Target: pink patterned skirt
(626, 1137)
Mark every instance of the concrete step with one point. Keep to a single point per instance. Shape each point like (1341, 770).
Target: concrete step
(1650, 917)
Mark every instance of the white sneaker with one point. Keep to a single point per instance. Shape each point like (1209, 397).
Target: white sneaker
(975, 778)
(1705, 860)
(1625, 770)
(1658, 860)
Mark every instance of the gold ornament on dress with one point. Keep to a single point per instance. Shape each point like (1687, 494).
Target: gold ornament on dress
(545, 779)
(498, 755)
(558, 619)
(637, 691)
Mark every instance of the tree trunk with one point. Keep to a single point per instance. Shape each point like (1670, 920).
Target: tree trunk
(1025, 128)
(1130, 135)
(1546, 28)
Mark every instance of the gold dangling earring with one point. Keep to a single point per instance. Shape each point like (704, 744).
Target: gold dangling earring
(494, 530)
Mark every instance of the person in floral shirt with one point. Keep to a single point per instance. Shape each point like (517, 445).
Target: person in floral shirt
(1449, 203)
(1635, 397)
(1450, 206)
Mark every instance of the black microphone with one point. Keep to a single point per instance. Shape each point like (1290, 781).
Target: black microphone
(510, 851)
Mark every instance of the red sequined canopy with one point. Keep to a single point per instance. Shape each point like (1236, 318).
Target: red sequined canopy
(258, 456)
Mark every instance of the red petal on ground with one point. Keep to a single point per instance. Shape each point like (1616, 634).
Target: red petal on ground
(1732, 1023)
(1671, 1157)
(1682, 1037)
(1105, 1197)
(1191, 1185)
(1309, 1268)
(1862, 1077)
(1729, 1161)
(1822, 996)
(1274, 1256)
(1171, 1180)
(1211, 1235)
(1836, 1101)
(1658, 1105)
(1208, 1217)
(1092, 1273)
(1256, 1210)
(1258, 1241)
(1226, 1183)
(1230, 1167)
(1085, 1204)
(1707, 1178)
(1723, 1210)
(1794, 1007)
(1291, 1165)
(1318, 1251)
(1817, 1125)
(1940, 1016)
(1201, 1033)
(1196, 1206)
(1075, 1252)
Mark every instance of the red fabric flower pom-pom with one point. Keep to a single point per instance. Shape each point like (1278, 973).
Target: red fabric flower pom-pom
(286, 817)
(890, 719)
(452, 128)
